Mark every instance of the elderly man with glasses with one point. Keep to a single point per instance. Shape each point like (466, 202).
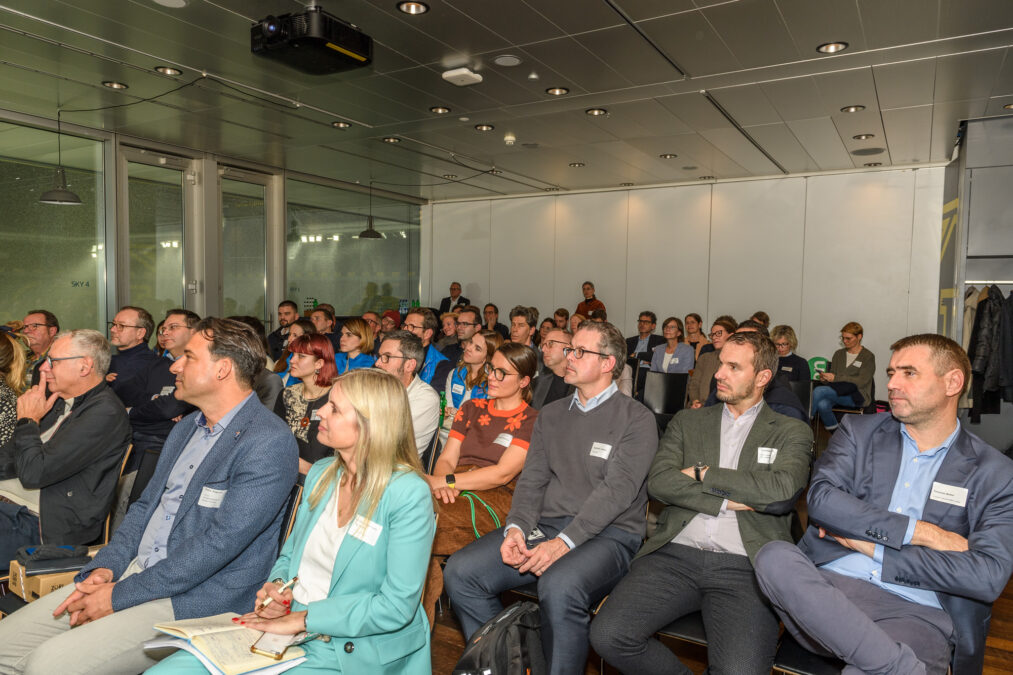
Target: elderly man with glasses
(58, 471)
(578, 509)
(401, 354)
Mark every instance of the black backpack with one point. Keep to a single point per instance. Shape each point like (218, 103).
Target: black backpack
(508, 644)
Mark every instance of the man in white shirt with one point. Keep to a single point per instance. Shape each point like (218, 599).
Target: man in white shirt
(401, 354)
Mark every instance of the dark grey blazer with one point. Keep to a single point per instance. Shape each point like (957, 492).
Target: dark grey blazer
(850, 495)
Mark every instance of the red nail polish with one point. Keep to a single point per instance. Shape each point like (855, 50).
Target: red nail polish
(242, 623)
(235, 618)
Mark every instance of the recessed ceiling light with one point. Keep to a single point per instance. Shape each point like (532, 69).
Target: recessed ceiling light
(668, 155)
(554, 189)
(853, 108)
(832, 47)
(1008, 106)
(863, 137)
(168, 70)
(626, 185)
(596, 112)
(557, 91)
(507, 60)
(439, 109)
(391, 139)
(577, 165)
(873, 164)
(484, 127)
(706, 177)
(413, 7)
(172, 4)
(114, 85)
(338, 124)
(495, 172)
(450, 176)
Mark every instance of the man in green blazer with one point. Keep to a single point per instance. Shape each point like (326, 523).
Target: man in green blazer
(729, 477)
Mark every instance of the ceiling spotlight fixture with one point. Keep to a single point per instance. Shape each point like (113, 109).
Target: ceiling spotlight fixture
(338, 124)
(689, 168)
(114, 85)
(596, 112)
(863, 137)
(873, 164)
(832, 47)
(391, 139)
(59, 195)
(495, 172)
(552, 189)
(450, 176)
(557, 91)
(172, 4)
(707, 178)
(577, 165)
(484, 127)
(168, 70)
(626, 185)
(853, 108)
(439, 109)
(413, 8)
(507, 60)
(668, 155)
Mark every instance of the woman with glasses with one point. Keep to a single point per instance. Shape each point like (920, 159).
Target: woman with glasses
(790, 366)
(484, 454)
(356, 344)
(312, 362)
(708, 363)
(13, 366)
(299, 327)
(469, 380)
(675, 356)
(694, 334)
(849, 380)
(359, 546)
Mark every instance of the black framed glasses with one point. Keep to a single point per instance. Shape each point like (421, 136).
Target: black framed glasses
(578, 352)
(497, 374)
(557, 342)
(50, 360)
(385, 358)
(119, 326)
(35, 326)
(467, 323)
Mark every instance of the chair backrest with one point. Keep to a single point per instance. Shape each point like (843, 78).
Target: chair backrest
(119, 480)
(803, 389)
(430, 454)
(665, 393)
(291, 508)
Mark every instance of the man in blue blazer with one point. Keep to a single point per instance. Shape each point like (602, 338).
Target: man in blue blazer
(200, 540)
(911, 528)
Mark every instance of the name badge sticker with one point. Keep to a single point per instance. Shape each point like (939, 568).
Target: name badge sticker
(457, 389)
(857, 364)
(766, 455)
(675, 360)
(600, 450)
(504, 439)
(948, 494)
(315, 416)
(366, 530)
(786, 369)
(211, 498)
(167, 390)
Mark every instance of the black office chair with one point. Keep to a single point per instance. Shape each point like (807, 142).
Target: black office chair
(803, 389)
(431, 453)
(639, 375)
(794, 659)
(665, 395)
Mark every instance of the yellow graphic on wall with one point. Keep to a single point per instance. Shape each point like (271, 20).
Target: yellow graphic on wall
(949, 225)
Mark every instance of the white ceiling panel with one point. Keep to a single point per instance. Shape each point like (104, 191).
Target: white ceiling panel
(754, 32)
(898, 22)
(967, 76)
(732, 143)
(821, 141)
(847, 87)
(908, 133)
(781, 143)
(815, 22)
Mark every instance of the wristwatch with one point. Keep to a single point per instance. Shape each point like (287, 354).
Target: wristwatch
(698, 468)
(451, 481)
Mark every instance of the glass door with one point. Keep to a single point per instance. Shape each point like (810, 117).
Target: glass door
(244, 245)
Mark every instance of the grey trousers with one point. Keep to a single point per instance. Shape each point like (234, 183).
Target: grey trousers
(34, 643)
(867, 627)
(677, 580)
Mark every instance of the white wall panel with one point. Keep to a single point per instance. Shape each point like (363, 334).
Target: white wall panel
(666, 260)
(926, 241)
(591, 245)
(857, 262)
(523, 255)
(757, 233)
(461, 250)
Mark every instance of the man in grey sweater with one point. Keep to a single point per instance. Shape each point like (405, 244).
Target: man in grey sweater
(578, 509)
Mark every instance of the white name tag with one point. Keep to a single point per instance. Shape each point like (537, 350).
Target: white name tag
(504, 439)
(948, 494)
(315, 416)
(857, 364)
(786, 369)
(457, 389)
(366, 530)
(600, 450)
(675, 360)
(211, 498)
(167, 390)
(766, 455)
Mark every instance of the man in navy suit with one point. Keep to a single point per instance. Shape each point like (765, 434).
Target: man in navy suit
(643, 343)
(201, 539)
(910, 534)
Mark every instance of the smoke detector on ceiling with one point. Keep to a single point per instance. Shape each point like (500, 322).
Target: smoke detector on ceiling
(462, 77)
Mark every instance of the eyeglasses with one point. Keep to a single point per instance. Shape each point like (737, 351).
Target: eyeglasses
(385, 358)
(781, 344)
(35, 326)
(644, 321)
(120, 326)
(578, 352)
(717, 333)
(172, 326)
(50, 359)
(372, 322)
(497, 374)
(412, 327)
(557, 342)
(467, 323)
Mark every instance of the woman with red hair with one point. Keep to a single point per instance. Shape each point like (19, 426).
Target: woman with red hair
(313, 363)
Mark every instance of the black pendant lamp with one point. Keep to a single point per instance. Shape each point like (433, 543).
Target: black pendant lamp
(59, 195)
(369, 232)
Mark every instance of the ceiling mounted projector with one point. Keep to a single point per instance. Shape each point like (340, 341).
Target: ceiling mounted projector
(312, 41)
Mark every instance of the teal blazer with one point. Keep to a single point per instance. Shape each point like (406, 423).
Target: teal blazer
(373, 612)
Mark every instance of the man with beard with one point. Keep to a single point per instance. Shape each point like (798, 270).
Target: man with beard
(401, 354)
(288, 312)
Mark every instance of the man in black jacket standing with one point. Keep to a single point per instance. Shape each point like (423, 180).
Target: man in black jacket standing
(62, 463)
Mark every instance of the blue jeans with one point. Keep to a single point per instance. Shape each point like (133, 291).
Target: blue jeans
(18, 527)
(824, 399)
(476, 575)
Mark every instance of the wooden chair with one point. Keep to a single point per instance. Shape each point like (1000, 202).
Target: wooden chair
(106, 534)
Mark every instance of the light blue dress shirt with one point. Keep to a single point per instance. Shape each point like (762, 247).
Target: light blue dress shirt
(154, 541)
(914, 484)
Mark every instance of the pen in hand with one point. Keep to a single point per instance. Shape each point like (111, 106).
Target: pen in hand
(284, 587)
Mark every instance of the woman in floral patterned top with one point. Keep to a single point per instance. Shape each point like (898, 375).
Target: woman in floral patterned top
(312, 361)
(484, 455)
(12, 382)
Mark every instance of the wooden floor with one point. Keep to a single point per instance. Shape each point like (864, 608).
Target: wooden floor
(448, 644)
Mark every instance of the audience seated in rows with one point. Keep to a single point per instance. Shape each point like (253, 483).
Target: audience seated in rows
(136, 374)
(544, 327)
(790, 366)
(523, 324)
(673, 355)
(575, 322)
(323, 320)
(849, 381)
(561, 318)
(356, 345)
(468, 322)
(390, 321)
(484, 453)
(469, 379)
(301, 326)
(401, 354)
(550, 384)
(300, 403)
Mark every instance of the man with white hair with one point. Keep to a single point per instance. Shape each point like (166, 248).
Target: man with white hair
(58, 471)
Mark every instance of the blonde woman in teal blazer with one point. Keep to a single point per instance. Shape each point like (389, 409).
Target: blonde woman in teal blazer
(372, 610)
